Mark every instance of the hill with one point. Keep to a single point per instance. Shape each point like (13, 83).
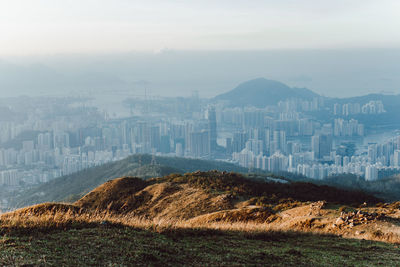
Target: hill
(206, 218)
(262, 92)
(187, 196)
(74, 186)
(190, 195)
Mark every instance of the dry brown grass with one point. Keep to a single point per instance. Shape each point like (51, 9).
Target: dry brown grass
(201, 200)
(68, 217)
(65, 216)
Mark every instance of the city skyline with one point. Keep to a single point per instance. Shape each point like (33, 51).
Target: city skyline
(197, 133)
(44, 138)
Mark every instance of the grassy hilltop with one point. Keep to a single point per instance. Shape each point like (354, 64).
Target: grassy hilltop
(205, 218)
(74, 186)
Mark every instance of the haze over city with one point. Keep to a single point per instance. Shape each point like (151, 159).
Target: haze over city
(199, 133)
(337, 49)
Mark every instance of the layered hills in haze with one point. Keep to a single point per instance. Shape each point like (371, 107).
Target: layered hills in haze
(261, 92)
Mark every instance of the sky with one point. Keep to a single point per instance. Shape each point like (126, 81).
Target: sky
(46, 27)
(336, 48)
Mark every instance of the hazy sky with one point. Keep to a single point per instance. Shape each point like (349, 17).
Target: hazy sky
(334, 47)
(80, 26)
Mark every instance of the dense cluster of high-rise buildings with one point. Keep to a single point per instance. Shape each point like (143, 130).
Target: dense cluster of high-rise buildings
(47, 143)
(348, 109)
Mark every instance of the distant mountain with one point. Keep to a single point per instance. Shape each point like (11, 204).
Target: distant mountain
(39, 79)
(262, 92)
(74, 186)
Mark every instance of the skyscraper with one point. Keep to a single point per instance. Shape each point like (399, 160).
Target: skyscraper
(199, 144)
(371, 173)
(321, 145)
(396, 158)
(315, 145)
(212, 127)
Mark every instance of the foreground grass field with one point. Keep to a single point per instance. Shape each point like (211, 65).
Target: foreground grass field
(204, 219)
(114, 245)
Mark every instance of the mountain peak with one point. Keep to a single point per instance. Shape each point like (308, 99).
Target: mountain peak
(261, 92)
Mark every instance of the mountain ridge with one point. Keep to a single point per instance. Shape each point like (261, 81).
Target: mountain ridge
(261, 92)
(74, 186)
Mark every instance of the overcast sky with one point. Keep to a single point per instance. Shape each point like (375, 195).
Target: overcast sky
(80, 26)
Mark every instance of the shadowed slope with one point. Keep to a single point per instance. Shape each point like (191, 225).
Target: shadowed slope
(159, 200)
(113, 195)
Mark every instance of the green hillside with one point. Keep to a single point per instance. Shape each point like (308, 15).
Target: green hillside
(387, 189)
(74, 186)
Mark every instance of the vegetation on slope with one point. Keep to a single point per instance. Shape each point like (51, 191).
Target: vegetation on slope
(114, 194)
(387, 188)
(73, 187)
(186, 196)
(239, 185)
(123, 222)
